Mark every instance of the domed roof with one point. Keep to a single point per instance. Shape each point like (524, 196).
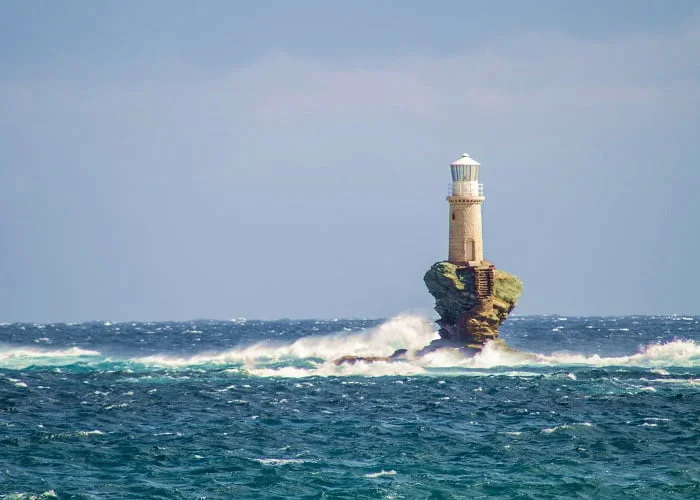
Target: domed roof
(465, 160)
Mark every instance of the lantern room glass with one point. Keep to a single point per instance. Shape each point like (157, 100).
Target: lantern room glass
(462, 173)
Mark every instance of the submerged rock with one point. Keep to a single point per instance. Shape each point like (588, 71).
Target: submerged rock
(472, 301)
(399, 354)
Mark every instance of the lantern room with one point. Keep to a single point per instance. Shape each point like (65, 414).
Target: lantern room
(465, 177)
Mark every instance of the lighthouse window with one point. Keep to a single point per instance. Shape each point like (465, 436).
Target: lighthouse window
(453, 216)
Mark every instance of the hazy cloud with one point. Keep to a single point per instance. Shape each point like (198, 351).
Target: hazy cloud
(180, 190)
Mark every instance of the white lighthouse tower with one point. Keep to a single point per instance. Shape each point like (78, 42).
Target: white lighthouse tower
(465, 197)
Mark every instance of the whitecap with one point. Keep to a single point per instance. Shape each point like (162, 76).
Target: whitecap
(550, 430)
(27, 496)
(675, 353)
(280, 461)
(381, 473)
(17, 382)
(23, 357)
(89, 433)
(225, 389)
(682, 381)
(405, 331)
(120, 405)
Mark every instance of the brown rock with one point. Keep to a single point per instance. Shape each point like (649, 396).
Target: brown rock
(472, 301)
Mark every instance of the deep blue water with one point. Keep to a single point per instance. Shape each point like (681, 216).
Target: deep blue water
(589, 408)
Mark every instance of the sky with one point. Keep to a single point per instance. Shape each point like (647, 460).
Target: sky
(174, 160)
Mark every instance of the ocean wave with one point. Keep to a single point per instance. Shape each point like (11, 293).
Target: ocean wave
(669, 354)
(656, 356)
(381, 473)
(22, 357)
(280, 461)
(550, 430)
(330, 369)
(407, 332)
(29, 496)
(314, 356)
(677, 353)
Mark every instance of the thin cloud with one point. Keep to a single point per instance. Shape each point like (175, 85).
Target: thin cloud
(529, 73)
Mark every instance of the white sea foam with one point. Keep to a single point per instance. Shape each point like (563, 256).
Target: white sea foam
(22, 357)
(550, 430)
(119, 405)
(675, 353)
(381, 473)
(413, 333)
(90, 433)
(494, 355)
(29, 496)
(280, 461)
(317, 354)
(329, 369)
(408, 332)
(680, 381)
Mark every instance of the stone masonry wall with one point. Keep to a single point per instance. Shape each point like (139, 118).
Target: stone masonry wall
(465, 224)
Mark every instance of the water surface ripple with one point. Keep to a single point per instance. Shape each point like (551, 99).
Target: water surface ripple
(585, 408)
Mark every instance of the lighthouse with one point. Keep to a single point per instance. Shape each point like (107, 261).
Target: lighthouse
(465, 197)
(472, 297)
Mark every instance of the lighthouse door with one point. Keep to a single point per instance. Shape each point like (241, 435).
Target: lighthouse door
(469, 249)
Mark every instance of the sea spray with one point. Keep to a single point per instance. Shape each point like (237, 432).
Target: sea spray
(24, 356)
(314, 355)
(405, 331)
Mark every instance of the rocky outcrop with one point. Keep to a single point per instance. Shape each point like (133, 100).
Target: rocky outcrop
(472, 301)
(399, 355)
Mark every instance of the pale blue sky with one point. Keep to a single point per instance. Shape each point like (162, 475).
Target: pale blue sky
(179, 160)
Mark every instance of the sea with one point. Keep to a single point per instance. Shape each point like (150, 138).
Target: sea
(574, 407)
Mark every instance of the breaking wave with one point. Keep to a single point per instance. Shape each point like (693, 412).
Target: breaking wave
(314, 356)
(678, 353)
(674, 353)
(22, 357)
(407, 332)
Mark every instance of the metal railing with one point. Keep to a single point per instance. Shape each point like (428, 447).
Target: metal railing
(464, 189)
